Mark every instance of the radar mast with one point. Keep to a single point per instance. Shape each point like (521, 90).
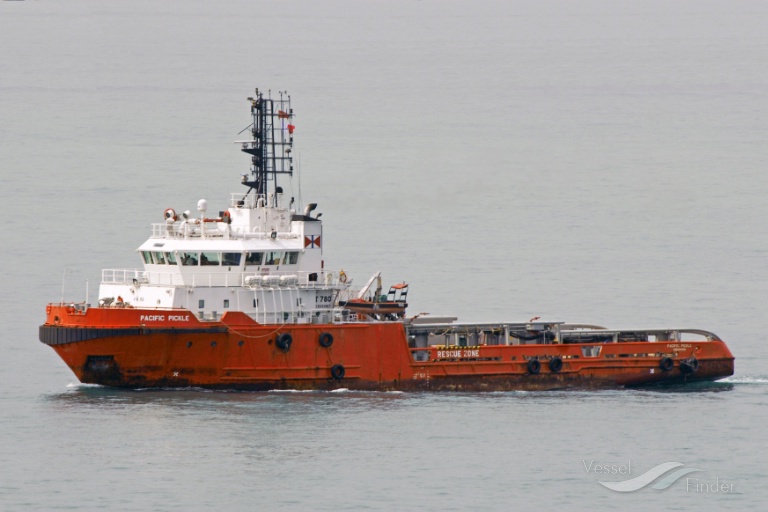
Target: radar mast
(271, 145)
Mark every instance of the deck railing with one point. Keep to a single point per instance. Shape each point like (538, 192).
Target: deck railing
(278, 279)
(544, 352)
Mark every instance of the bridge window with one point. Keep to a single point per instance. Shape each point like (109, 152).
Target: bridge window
(200, 304)
(147, 256)
(158, 258)
(170, 258)
(209, 258)
(273, 258)
(291, 258)
(226, 303)
(230, 259)
(253, 258)
(189, 258)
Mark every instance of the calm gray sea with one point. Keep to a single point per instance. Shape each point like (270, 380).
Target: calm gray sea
(594, 161)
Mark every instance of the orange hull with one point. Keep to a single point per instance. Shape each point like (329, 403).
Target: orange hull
(126, 347)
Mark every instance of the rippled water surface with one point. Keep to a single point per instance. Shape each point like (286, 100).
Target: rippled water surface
(588, 161)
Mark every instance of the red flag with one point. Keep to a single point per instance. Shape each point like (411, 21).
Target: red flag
(291, 128)
(282, 115)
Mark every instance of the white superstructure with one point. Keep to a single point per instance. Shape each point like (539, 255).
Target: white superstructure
(258, 256)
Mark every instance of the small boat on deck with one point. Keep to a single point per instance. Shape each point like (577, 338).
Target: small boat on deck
(377, 306)
(244, 300)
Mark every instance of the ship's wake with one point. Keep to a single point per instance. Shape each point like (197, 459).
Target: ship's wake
(747, 379)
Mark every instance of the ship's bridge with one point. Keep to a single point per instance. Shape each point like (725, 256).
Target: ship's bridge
(253, 237)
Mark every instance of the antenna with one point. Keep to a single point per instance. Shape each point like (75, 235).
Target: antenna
(271, 143)
(298, 172)
(63, 280)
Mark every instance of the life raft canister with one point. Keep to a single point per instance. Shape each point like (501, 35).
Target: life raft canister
(555, 364)
(337, 371)
(534, 366)
(326, 339)
(284, 342)
(666, 364)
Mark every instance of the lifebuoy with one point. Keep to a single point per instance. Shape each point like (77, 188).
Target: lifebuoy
(337, 371)
(534, 366)
(555, 364)
(342, 277)
(666, 364)
(284, 342)
(689, 365)
(326, 339)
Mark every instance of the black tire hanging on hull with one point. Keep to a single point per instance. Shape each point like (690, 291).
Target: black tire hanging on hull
(326, 339)
(337, 371)
(689, 365)
(284, 342)
(555, 364)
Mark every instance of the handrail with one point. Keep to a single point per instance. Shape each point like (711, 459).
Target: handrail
(638, 349)
(179, 276)
(175, 231)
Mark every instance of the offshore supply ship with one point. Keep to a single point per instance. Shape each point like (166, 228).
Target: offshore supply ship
(242, 300)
